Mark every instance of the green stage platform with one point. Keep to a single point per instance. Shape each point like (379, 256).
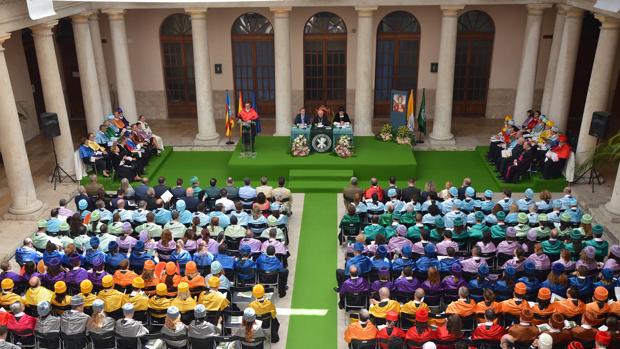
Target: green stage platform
(328, 173)
(324, 172)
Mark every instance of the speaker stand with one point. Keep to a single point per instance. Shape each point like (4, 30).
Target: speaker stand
(59, 171)
(592, 173)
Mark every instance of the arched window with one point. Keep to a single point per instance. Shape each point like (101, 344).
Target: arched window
(178, 63)
(253, 61)
(398, 51)
(325, 61)
(474, 51)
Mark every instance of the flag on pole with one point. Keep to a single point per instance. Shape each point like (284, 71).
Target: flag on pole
(230, 121)
(422, 114)
(258, 126)
(411, 112)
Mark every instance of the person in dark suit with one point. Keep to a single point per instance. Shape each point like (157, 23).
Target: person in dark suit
(161, 186)
(391, 185)
(463, 188)
(302, 117)
(83, 196)
(341, 116)
(231, 190)
(178, 191)
(191, 203)
(411, 192)
(321, 117)
(515, 152)
(142, 189)
(520, 164)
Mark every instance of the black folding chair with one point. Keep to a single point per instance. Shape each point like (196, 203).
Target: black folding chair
(102, 340)
(363, 344)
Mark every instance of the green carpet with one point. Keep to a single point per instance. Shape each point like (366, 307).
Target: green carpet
(314, 275)
(203, 164)
(536, 182)
(155, 163)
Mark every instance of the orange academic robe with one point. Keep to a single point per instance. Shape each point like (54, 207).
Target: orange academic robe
(513, 307)
(601, 313)
(461, 308)
(356, 331)
(481, 307)
(541, 316)
(569, 309)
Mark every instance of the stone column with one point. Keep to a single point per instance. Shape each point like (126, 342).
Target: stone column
(565, 70)
(613, 206)
(282, 53)
(124, 82)
(364, 68)
(88, 73)
(207, 133)
(53, 93)
(442, 122)
(527, 76)
(558, 28)
(25, 204)
(102, 75)
(600, 83)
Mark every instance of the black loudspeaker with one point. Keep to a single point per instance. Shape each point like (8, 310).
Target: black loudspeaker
(598, 125)
(49, 125)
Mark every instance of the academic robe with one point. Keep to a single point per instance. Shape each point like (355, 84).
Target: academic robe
(462, 308)
(358, 331)
(570, 308)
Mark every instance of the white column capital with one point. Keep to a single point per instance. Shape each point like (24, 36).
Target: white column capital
(197, 12)
(281, 11)
(4, 37)
(366, 11)
(573, 12)
(451, 10)
(93, 16)
(44, 29)
(607, 22)
(115, 14)
(80, 18)
(536, 9)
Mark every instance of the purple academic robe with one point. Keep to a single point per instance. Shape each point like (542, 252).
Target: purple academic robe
(191, 246)
(17, 279)
(568, 266)
(280, 248)
(403, 284)
(255, 244)
(611, 264)
(515, 263)
(397, 243)
(48, 280)
(164, 252)
(589, 266)
(354, 285)
(126, 243)
(442, 247)
(96, 277)
(212, 246)
(432, 288)
(509, 247)
(377, 284)
(471, 265)
(452, 282)
(486, 248)
(75, 276)
(541, 261)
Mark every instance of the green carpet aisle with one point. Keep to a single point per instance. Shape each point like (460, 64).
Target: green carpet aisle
(314, 275)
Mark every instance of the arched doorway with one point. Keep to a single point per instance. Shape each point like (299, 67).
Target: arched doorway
(474, 48)
(178, 63)
(325, 61)
(253, 61)
(398, 50)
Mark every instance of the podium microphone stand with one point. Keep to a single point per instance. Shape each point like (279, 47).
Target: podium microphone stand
(248, 133)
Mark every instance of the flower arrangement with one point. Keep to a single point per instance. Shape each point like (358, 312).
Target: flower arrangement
(403, 136)
(300, 147)
(343, 147)
(386, 133)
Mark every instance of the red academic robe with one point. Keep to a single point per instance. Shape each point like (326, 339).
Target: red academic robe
(427, 335)
(563, 151)
(483, 331)
(248, 115)
(396, 332)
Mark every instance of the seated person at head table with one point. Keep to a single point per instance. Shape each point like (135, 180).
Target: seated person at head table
(341, 116)
(302, 118)
(321, 117)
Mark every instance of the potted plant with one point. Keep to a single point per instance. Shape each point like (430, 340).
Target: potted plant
(403, 136)
(607, 152)
(343, 147)
(386, 133)
(300, 147)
